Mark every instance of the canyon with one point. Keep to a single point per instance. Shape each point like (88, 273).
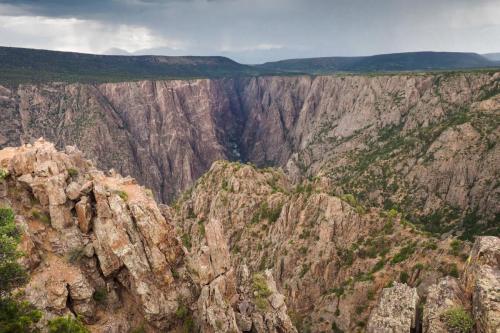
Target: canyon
(244, 251)
(422, 143)
(344, 203)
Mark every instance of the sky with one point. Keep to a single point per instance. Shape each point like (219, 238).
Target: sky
(252, 31)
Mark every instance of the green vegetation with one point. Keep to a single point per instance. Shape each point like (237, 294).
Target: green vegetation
(403, 277)
(453, 270)
(351, 200)
(261, 291)
(123, 195)
(376, 168)
(28, 65)
(304, 270)
(346, 257)
(378, 266)
(182, 313)
(15, 315)
(186, 240)
(456, 247)
(4, 173)
(266, 213)
(100, 295)
(301, 188)
(72, 172)
(67, 325)
(404, 253)
(474, 225)
(458, 320)
(75, 255)
(42, 217)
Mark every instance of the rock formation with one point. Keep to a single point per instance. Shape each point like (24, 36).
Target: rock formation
(245, 250)
(363, 197)
(423, 142)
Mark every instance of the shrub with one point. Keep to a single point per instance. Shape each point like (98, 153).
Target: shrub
(72, 172)
(378, 266)
(67, 325)
(346, 257)
(351, 200)
(100, 295)
(453, 270)
(186, 241)
(201, 228)
(182, 311)
(3, 174)
(304, 270)
(75, 255)
(265, 212)
(7, 224)
(12, 275)
(456, 247)
(17, 316)
(404, 253)
(458, 320)
(42, 217)
(259, 284)
(123, 195)
(403, 277)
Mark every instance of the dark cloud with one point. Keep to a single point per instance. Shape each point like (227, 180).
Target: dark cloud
(260, 30)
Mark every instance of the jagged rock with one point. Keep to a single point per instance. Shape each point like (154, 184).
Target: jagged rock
(84, 214)
(481, 279)
(51, 285)
(442, 296)
(235, 224)
(215, 312)
(298, 122)
(396, 310)
(132, 239)
(73, 191)
(244, 322)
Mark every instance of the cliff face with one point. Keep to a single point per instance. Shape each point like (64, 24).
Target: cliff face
(423, 143)
(245, 250)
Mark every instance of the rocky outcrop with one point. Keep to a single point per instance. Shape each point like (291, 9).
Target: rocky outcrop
(396, 311)
(482, 281)
(429, 139)
(445, 295)
(101, 240)
(245, 250)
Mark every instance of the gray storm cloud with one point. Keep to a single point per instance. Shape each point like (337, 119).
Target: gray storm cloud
(252, 31)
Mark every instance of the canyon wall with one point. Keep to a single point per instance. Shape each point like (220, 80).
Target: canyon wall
(425, 144)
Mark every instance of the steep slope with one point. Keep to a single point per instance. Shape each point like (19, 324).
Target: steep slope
(243, 251)
(425, 144)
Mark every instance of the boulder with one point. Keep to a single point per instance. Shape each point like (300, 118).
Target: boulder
(441, 297)
(396, 310)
